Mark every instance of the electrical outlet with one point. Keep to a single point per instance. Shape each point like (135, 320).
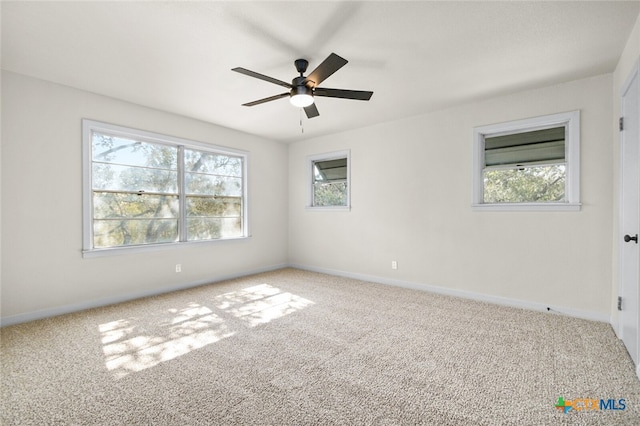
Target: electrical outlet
(394, 264)
(178, 267)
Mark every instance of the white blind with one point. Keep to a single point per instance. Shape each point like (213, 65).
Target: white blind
(330, 170)
(535, 147)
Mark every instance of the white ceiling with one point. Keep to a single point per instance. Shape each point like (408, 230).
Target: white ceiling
(416, 56)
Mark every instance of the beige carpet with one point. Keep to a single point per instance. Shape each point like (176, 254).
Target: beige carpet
(298, 348)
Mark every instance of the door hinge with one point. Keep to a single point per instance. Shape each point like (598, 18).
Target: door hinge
(621, 123)
(619, 303)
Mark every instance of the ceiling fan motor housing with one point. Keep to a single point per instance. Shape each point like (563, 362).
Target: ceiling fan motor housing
(300, 87)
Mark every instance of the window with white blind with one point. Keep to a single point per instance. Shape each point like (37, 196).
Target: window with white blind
(143, 189)
(530, 164)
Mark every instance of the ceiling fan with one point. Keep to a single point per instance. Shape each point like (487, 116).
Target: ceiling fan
(304, 89)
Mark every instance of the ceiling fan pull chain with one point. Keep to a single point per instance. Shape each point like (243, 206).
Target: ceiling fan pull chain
(301, 127)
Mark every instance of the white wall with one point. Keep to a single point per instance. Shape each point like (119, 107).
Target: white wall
(43, 271)
(411, 197)
(628, 59)
(411, 202)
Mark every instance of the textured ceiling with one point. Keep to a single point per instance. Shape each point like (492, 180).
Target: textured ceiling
(416, 56)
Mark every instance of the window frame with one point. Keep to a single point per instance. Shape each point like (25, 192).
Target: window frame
(336, 155)
(571, 122)
(91, 126)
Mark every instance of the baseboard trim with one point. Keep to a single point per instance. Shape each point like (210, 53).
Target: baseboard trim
(97, 303)
(615, 325)
(498, 300)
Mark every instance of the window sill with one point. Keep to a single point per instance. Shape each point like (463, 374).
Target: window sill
(528, 207)
(150, 248)
(329, 208)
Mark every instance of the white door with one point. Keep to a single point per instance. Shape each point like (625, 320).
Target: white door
(630, 216)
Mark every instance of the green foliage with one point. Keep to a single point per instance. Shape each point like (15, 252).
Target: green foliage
(210, 218)
(136, 199)
(330, 194)
(527, 184)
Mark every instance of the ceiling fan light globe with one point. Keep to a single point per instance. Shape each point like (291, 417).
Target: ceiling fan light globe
(301, 100)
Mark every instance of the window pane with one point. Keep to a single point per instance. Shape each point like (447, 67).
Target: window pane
(134, 179)
(525, 185)
(109, 205)
(330, 194)
(198, 183)
(126, 232)
(206, 162)
(209, 217)
(214, 207)
(111, 149)
(203, 228)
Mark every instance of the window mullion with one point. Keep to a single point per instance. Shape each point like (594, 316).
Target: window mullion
(182, 199)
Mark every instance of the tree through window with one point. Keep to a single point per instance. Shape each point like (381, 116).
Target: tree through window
(145, 189)
(329, 180)
(530, 164)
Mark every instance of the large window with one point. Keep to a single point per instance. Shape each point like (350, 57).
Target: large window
(143, 189)
(329, 180)
(530, 164)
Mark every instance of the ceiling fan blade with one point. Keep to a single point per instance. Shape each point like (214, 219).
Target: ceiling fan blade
(359, 95)
(330, 65)
(311, 111)
(262, 77)
(269, 99)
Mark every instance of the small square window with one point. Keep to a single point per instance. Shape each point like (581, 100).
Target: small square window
(329, 180)
(530, 164)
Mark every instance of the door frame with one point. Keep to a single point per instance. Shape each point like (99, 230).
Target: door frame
(634, 73)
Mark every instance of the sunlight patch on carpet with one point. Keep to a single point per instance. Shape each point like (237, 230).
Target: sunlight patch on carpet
(132, 345)
(127, 348)
(260, 304)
